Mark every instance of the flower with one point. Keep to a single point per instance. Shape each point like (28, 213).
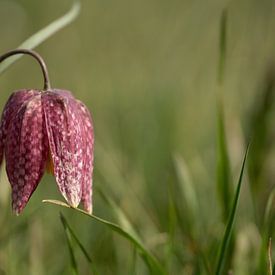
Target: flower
(47, 129)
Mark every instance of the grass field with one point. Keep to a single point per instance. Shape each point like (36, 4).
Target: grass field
(177, 90)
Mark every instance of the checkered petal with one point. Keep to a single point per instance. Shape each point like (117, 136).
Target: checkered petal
(26, 151)
(65, 131)
(10, 110)
(88, 156)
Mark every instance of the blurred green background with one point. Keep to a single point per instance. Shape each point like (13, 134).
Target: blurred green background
(147, 70)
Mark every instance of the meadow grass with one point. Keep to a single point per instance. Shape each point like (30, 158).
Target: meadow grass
(172, 194)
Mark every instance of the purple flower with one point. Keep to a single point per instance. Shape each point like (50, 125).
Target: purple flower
(42, 129)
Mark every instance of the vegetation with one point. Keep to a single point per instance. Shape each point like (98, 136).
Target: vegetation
(179, 91)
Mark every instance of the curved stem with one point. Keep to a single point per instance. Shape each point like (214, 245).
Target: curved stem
(47, 85)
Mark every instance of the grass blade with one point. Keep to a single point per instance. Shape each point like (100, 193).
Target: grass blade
(269, 208)
(70, 247)
(223, 37)
(149, 259)
(270, 256)
(229, 227)
(223, 167)
(260, 129)
(80, 245)
(188, 196)
(119, 214)
(266, 232)
(186, 185)
(43, 34)
(223, 164)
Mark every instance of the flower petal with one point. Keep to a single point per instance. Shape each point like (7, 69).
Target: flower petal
(12, 106)
(87, 134)
(26, 151)
(63, 124)
(88, 156)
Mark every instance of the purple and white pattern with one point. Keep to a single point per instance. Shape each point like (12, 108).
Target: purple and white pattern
(43, 126)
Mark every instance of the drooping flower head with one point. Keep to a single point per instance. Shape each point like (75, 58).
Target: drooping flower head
(47, 129)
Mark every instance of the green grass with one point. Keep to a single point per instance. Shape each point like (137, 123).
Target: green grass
(230, 223)
(176, 89)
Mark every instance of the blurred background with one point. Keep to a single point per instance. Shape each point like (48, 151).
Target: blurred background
(148, 72)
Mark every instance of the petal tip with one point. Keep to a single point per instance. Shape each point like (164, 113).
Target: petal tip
(73, 202)
(89, 211)
(16, 210)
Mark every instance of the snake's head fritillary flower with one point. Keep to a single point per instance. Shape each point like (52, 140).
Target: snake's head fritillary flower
(47, 130)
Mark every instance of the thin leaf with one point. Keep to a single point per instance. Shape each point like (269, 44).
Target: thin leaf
(120, 215)
(266, 232)
(149, 259)
(86, 254)
(269, 208)
(223, 165)
(223, 38)
(42, 35)
(260, 128)
(270, 256)
(70, 247)
(80, 245)
(230, 223)
(188, 194)
(186, 185)
(224, 187)
(262, 267)
(184, 196)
